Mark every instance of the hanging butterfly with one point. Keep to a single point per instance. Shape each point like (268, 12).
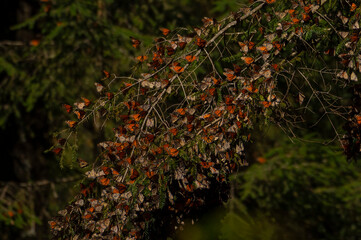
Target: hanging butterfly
(135, 42)
(190, 127)
(177, 69)
(80, 114)
(208, 21)
(142, 58)
(87, 102)
(208, 139)
(110, 95)
(104, 181)
(149, 138)
(68, 107)
(99, 87)
(243, 46)
(82, 163)
(198, 31)
(170, 51)
(107, 74)
(266, 104)
(229, 74)
(165, 31)
(134, 174)
(71, 124)
(216, 81)
(190, 58)
(218, 113)
(150, 174)
(206, 164)
(173, 152)
(57, 151)
(181, 111)
(201, 42)
(248, 60)
(173, 131)
(353, 7)
(212, 91)
(136, 117)
(122, 188)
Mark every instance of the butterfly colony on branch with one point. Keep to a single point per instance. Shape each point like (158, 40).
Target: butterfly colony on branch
(185, 114)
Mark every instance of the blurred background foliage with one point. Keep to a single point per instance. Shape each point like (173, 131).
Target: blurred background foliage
(301, 190)
(52, 52)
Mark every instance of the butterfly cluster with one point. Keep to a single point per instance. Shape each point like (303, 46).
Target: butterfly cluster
(180, 134)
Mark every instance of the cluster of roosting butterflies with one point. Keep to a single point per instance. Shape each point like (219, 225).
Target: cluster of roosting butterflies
(167, 158)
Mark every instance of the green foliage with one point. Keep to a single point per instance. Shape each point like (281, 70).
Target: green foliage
(239, 224)
(306, 185)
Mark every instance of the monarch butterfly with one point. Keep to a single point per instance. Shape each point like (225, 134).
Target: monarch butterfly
(150, 174)
(99, 87)
(181, 111)
(216, 81)
(231, 108)
(174, 131)
(353, 7)
(68, 107)
(110, 95)
(201, 42)
(142, 58)
(134, 174)
(177, 69)
(136, 117)
(170, 51)
(71, 124)
(135, 42)
(208, 139)
(80, 114)
(207, 164)
(218, 113)
(107, 75)
(104, 181)
(191, 58)
(165, 31)
(82, 163)
(248, 60)
(57, 151)
(121, 188)
(86, 101)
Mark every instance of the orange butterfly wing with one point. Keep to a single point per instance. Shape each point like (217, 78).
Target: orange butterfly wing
(165, 31)
(201, 42)
(248, 60)
(86, 101)
(80, 114)
(104, 181)
(174, 131)
(190, 58)
(71, 123)
(177, 69)
(181, 111)
(57, 151)
(107, 74)
(68, 107)
(142, 58)
(173, 152)
(134, 174)
(135, 42)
